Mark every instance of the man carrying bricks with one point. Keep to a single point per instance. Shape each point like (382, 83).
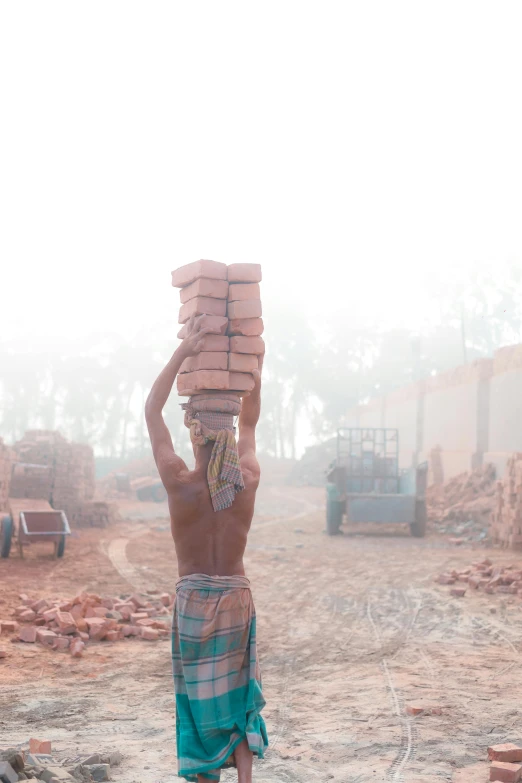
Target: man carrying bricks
(216, 673)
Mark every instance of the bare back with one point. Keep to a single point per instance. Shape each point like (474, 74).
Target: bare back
(207, 541)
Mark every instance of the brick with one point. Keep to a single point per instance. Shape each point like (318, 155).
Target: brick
(138, 616)
(217, 289)
(215, 342)
(248, 308)
(97, 628)
(189, 272)
(241, 381)
(139, 602)
(24, 598)
(99, 611)
(8, 626)
(217, 323)
(247, 327)
(151, 634)
(240, 291)
(40, 746)
(202, 305)
(66, 622)
(206, 360)
(255, 345)
(113, 636)
(77, 647)
(507, 752)
(458, 592)
(38, 606)
(242, 362)
(62, 643)
(131, 630)
(192, 382)
(445, 579)
(27, 634)
(505, 772)
(421, 708)
(45, 637)
(244, 273)
(165, 599)
(49, 615)
(28, 616)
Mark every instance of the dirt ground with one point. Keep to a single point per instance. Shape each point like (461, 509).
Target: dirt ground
(352, 629)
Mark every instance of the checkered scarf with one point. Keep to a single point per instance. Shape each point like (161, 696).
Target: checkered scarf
(224, 470)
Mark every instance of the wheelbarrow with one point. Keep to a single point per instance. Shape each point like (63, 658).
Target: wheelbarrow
(33, 521)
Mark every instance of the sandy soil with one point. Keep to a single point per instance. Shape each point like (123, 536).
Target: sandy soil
(352, 629)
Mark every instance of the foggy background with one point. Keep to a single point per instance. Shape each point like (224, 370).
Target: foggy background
(368, 155)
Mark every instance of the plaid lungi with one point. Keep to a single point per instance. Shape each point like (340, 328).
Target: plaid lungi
(217, 679)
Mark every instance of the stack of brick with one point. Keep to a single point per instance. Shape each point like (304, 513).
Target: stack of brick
(506, 762)
(506, 519)
(6, 462)
(31, 481)
(72, 479)
(228, 298)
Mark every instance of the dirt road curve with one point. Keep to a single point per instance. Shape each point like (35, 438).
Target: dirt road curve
(352, 629)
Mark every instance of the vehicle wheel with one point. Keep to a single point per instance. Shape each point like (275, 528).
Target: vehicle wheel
(60, 549)
(159, 494)
(7, 536)
(334, 516)
(418, 528)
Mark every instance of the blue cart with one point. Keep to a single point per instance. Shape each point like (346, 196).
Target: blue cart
(364, 483)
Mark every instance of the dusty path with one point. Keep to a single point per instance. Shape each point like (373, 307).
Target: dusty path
(351, 630)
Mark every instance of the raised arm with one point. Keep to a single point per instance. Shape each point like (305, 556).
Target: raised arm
(168, 462)
(248, 418)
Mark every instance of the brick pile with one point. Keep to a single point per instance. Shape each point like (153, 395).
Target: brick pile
(468, 496)
(506, 520)
(31, 481)
(229, 299)
(70, 625)
(34, 761)
(6, 461)
(485, 577)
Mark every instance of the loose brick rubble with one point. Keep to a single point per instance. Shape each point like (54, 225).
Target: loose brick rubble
(34, 761)
(484, 577)
(72, 624)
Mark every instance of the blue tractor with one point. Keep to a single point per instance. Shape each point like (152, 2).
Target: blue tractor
(364, 483)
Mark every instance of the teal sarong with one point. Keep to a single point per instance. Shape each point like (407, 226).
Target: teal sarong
(217, 679)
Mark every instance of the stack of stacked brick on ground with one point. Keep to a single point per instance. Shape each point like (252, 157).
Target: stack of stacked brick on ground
(506, 520)
(49, 467)
(229, 300)
(72, 623)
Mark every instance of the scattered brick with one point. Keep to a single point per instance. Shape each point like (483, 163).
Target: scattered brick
(247, 308)
(216, 289)
(97, 628)
(423, 709)
(62, 643)
(77, 647)
(8, 626)
(138, 616)
(189, 272)
(244, 273)
(66, 623)
(45, 637)
(505, 752)
(150, 634)
(27, 633)
(40, 746)
(458, 592)
(203, 305)
(505, 772)
(28, 616)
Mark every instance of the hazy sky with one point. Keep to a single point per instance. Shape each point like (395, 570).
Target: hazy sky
(358, 150)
